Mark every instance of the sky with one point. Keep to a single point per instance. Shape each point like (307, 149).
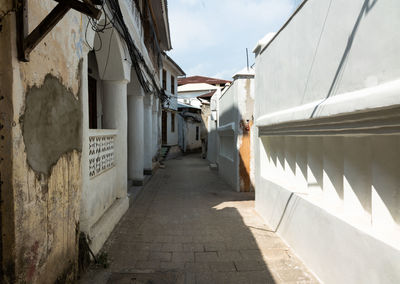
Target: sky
(210, 37)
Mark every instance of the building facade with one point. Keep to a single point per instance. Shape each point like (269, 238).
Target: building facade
(81, 109)
(169, 78)
(203, 92)
(189, 127)
(327, 152)
(235, 119)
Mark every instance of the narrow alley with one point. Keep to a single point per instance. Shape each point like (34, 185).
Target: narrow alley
(188, 226)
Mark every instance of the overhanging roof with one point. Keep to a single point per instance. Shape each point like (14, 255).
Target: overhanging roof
(159, 11)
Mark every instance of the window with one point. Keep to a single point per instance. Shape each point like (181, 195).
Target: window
(164, 79)
(172, 122)
(197, 133)
(172, 84)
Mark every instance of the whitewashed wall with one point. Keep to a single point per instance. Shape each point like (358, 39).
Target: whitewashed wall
(191, 142)
(172, 136)
(327, 160)
(104, 194)
(228, 119)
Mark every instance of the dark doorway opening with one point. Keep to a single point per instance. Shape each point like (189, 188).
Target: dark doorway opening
(92, 102)
(164, 127)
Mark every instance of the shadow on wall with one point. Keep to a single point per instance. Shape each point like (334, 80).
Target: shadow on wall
(359, 172)
(235, 148)
(367, 6)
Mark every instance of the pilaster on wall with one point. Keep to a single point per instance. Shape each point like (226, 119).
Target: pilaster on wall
(314, 165)
(385, 197)
(115, 117)
(148, 134)
(155, 133)
(333, 169)
(354, 177)
(136, 134)
(357, 176)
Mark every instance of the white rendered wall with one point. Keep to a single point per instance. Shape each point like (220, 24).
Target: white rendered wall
(172, 136)
(228, 154)
(212, 147)
(192, 143)
(148, 133)
(104, 197)
(334, 198)
(235, 108)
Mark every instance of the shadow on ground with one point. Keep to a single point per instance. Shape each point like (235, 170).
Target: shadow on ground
(188, 226)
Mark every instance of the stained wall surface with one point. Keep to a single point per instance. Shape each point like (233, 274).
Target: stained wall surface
(44, 139)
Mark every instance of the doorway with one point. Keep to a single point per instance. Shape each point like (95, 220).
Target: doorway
(164, 127)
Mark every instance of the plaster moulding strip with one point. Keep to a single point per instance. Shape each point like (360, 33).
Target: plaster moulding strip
(375, 109)
(227, 129)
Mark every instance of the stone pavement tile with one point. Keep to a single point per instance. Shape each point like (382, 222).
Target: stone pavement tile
(274, 254)
(255, 277)
(172, 247)
(214, 277)
(193, 247)
(238, 244)
(196, 267)
(121, 263)
(178, 211)
(183, 256)
(148, 246)
(294, 275)
(206, 256)
(251, 254)
(285, 263)
(214, 246)
(190, 278)
(162, 239)
(172, 265)
(222, 266)
(182, 239)
(151, 265)
(271, 243)
(128, 257)
(229, 255)
(250, 265)
(161, 256)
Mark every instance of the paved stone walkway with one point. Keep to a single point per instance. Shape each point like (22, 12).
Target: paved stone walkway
(188, 226)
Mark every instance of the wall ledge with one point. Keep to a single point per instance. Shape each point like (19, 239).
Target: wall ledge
(227, 129)
(372, 110)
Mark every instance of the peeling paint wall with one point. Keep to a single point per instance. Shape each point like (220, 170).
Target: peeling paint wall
(6, 114)
(246, 106)
(236, 112)
(44, 129)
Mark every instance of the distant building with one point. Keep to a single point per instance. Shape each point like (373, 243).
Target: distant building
(203, 92)
(235, 120)
(190, 124)
(169, 78)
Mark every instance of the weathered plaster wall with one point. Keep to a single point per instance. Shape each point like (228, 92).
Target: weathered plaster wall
(228, 119)
(246, 108)
(192, 143)
(46, 175)
(7, 240)
(235, 120)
